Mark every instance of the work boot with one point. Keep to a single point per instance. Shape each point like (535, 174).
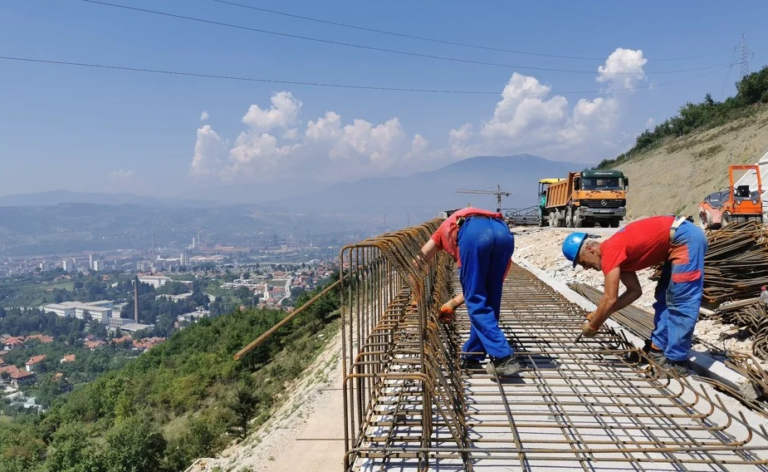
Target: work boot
(657, 355)
(678, 367)
(470, 364)
(504, 367)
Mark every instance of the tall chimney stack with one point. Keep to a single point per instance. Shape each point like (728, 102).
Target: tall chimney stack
(136, 299)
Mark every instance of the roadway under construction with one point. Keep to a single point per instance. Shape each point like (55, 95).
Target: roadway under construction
(576, 405)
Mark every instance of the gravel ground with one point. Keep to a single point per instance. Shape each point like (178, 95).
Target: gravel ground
(541, 247)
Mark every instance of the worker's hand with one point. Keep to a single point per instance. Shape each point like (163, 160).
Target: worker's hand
(588, 331)
(447, 311)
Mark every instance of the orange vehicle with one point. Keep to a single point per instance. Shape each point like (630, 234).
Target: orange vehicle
(584, 199)
(736, 205)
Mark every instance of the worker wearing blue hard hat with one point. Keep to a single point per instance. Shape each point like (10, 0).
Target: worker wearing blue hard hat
(674, 242)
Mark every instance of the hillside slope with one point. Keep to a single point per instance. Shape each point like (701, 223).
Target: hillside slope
(675, 177)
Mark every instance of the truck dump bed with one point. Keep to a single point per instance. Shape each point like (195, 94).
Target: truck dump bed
(559, 193)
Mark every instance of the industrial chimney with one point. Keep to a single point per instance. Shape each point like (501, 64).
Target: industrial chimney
(136, 300)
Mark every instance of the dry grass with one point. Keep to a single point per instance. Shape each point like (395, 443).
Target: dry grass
(674, 178)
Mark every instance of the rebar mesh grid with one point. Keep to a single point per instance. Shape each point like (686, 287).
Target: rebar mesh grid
(580, 406)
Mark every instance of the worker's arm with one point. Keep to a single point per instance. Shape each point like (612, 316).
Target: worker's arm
(611, 302)
(428, 251)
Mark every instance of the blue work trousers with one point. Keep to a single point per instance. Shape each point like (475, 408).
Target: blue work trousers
(485, 248)
(678, 293)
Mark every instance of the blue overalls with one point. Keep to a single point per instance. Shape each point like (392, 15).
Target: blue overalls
(678, 293)
(485, 248)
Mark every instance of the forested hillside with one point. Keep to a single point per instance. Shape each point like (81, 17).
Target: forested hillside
(183, 399)
(751, 93)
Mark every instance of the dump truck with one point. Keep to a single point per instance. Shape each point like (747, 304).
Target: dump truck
(584, 199)
(738, 204)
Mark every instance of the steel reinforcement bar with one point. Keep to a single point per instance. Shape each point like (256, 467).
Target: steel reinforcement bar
(408, 405)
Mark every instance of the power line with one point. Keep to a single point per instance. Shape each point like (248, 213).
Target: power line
(441, 41)
(378, 49)
(328, 84)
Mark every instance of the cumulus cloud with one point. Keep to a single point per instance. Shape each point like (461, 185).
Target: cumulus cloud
(121, 174)
(623, 68)
(283, 113)
(275, 139)
(530, 116)
(210, 152)
(204, 116)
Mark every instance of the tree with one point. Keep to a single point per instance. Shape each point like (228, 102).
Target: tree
(243, 294)
(134, 445)
(243, 404)
(71, 452)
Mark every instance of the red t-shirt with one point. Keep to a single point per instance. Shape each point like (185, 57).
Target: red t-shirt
(638, 245)
(446, 236)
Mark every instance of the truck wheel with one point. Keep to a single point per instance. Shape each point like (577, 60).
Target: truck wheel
(578, 221)
(726, 219)
(569, 218)
(615, 222)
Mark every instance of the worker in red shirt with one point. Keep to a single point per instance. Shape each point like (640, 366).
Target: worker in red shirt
(680, 246)
(482, 246)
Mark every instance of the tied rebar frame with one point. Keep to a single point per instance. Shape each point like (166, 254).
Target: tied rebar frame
(408, 404)
(398, 361)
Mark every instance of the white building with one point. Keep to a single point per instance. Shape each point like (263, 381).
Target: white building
(63, 310)
(155, 280)
(68, 266)
(133, 327)
(100, 311)
(90, 261)
(117, 322)
(97, 265)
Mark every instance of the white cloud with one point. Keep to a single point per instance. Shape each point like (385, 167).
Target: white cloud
(204, 116)
(210, 152)
(529, 117)
(623, 68)
(275, 141)
(121, 174)
(521, 114)
(283, 113)
(532, 117)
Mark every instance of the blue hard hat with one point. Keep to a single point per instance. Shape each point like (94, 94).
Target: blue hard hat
(572, 245)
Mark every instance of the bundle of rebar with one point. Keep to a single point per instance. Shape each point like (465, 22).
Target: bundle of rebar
(736, 264)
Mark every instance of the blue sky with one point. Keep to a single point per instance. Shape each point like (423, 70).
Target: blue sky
(99, 130)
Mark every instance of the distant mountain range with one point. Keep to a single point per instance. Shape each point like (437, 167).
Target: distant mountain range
(418, 196)
(422, 195)
(56, 197)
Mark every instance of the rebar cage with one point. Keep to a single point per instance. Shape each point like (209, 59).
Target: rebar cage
(408, 405)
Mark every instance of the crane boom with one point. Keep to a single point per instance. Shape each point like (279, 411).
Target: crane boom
(498, 192)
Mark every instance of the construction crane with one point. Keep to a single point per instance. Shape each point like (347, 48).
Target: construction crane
(498, 192)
